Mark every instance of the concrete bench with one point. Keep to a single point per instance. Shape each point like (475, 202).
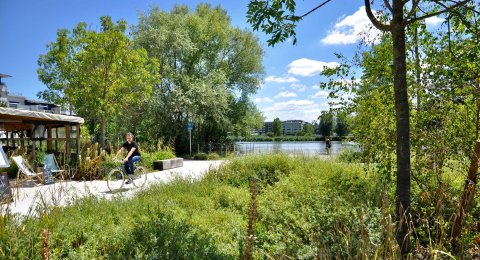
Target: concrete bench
(162, 165)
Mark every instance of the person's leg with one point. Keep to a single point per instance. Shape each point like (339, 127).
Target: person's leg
(135, 158)
(126, 167)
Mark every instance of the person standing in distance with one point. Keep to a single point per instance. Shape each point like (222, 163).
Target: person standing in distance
(328, 145)
(133, 155)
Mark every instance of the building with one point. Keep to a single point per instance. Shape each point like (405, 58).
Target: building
(21, 102)
(267, 127)
(292, 127)
(289, 127)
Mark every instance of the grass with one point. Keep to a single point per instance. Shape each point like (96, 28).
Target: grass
(307, 208)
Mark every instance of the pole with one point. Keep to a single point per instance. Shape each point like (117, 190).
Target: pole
(190, 133)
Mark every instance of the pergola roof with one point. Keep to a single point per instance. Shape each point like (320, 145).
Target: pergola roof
(18, 119)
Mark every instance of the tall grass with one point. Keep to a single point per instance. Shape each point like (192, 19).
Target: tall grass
(305, 208)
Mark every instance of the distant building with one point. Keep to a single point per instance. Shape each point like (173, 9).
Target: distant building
(292, 127)
(21, 102)
(289, 127)
(267, 127)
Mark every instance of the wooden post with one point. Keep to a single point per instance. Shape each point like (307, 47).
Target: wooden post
(34, 156)
(49, 139)
(56, 139)
(67, 141)
(78, 139)
(13, 139)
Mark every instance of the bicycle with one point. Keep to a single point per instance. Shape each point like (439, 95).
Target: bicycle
(117, 176)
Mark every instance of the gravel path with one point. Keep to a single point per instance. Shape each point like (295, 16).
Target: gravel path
(28, 199)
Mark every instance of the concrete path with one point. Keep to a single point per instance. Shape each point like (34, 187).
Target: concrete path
(27, 200)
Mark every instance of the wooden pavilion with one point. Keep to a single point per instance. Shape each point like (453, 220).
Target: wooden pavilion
(25, 128)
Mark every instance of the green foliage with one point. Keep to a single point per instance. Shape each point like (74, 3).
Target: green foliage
(267, 169)
(307, 208)
(99, 73)
(149, 157)
(179, 220)
(326, 123)
(341, 125)
(277, 127)
(307, 130)
(206, 156)
(319, 211)
(349, 155)
(208, 68)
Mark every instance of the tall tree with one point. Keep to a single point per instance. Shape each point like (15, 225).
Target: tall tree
(99, 74)
(325, 123)
(278, 18)
(277, 127)
(341, 125)
(208, 70)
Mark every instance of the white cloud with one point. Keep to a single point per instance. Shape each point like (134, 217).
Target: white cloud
(305, 110)
(286, 94)
(316, 86)
(350, 29)
(263, 100)
(307, 67)
(298, 87)
(321, 94)
(281, 79)
(434, 20)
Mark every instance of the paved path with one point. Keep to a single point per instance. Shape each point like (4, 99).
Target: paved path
(28, 199)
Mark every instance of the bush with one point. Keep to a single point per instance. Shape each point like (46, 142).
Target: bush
(180, 220)
(319, 211)
(149, 158)
(349, 155)
(200, 156)
(268, 169)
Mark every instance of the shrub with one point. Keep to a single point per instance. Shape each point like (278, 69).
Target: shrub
(319, 211)
(149, 158)
(267, 168)
(349, 155)
(200, 156)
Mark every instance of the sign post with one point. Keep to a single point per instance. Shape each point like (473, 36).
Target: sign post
(190, 127)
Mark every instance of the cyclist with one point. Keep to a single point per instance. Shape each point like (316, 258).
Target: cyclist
(133, 155)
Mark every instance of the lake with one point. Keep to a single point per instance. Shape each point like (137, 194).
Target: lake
(307, 148)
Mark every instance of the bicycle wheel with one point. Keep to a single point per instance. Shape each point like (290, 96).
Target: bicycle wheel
(139, 176)
(115, 180)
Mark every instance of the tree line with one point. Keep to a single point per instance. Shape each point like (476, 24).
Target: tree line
(156, 76)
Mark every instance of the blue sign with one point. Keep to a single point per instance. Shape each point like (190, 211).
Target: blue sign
(190, 126)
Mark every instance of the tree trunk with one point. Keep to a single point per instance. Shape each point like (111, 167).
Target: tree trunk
(402, 114)
(102, 132)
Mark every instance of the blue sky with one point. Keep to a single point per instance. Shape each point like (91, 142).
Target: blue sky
(290, 87)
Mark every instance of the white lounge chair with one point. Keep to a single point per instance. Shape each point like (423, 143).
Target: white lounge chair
(24, 170)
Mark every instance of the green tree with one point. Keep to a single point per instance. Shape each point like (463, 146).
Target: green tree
(341, 125)
(325, 123)
(99, 74)
(277, 127)
(278, 18)
(307, 130)
(208, 70)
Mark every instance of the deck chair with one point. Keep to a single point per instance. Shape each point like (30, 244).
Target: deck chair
(24, 169)
(50, 162)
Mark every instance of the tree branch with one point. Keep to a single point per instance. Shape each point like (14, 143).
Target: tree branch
(314, 9)
(373, 19)
(413, 10)
(387, 4)
(437, 13)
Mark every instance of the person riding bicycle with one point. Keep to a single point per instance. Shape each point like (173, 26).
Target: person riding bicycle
(133, 155)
